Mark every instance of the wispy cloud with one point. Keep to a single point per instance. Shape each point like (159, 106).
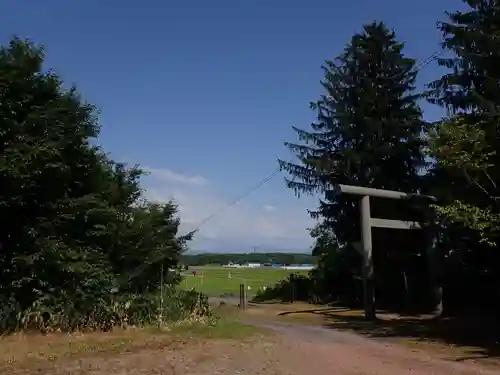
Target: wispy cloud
(242, 224)
(168, 175)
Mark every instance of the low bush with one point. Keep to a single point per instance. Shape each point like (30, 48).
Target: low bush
(293, 288)
(104, 313)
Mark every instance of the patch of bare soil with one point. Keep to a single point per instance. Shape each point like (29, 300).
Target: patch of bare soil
(295, 349)
(307, 350)
(287, 354)
(193, 357)
(458, 339)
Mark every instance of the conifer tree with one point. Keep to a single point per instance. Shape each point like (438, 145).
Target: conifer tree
(466, 146)
(368, 129)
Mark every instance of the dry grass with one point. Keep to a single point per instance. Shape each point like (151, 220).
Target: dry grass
(35, 353)
(228, 348)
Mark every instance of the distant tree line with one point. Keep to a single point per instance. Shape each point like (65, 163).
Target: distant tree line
(80, 247)
(370, 131)
(242, 258)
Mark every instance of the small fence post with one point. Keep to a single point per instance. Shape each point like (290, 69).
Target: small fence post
(241, 296)
(243, 301)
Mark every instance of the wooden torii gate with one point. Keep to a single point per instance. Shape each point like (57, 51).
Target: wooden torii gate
(365, 246)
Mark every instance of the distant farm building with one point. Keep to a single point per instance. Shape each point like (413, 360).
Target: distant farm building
(253, 265)
(299, 267)
(246, 265)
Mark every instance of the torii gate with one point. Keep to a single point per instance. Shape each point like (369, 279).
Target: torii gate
(365, 247)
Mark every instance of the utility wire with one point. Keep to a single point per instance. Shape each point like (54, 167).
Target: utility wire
(425, 63)
(422, 65)
(262, 182)
(265, 180)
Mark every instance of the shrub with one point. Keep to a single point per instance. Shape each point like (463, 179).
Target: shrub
(104, 313)
(293, 288)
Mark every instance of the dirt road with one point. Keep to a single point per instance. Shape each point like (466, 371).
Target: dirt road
(308, 350)
(294, 349)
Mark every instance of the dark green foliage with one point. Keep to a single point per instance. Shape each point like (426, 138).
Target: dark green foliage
(293, 288)
(368, 133)
(180, 305)
(120, 310)
(79, 246)
(338, 277)
(466, 147)
(368, 128)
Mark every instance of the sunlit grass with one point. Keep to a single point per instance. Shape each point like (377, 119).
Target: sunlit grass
(215, 281)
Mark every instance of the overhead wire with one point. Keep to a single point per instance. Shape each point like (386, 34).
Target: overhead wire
(262, 182)
(268, 178)
(422, 65)
(425, 63)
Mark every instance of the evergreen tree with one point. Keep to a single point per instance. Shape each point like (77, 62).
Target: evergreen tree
(368, 129)
(48, 174)
(368, 134)
(77, 238)
(466, 148)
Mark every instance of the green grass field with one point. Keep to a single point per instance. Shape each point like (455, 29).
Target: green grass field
(214, 281)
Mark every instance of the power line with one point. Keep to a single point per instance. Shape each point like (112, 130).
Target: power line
(262, 182)
(425, 63)
(237, 200)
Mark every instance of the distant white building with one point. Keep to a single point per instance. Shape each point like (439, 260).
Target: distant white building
(253, 265)
(232, 265)
(302, 267)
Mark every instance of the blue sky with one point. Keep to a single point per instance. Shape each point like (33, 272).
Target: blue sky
(204, 93)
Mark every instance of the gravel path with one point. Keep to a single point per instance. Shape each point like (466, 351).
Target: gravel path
(311, 350)
(294, 350)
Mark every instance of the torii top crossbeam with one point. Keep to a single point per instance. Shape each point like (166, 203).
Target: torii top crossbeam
(379, 193)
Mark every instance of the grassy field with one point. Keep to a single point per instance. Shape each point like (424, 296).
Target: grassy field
(215, 281)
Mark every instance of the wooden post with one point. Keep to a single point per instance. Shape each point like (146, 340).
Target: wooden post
(433, 261)
(241, 298)
(161, 297)
(368, 274)
(245, 292)
(243, 301)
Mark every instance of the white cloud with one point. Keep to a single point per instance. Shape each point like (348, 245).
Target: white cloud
(269, 208)
(241, 225)
(168, 175)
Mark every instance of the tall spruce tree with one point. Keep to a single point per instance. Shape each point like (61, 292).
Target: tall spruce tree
(368, 130)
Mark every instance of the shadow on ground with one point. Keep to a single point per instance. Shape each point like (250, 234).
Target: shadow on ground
(326, 312)
(477, 338)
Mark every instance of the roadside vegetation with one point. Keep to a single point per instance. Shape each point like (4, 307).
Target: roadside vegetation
(81, 248)
(370, 131)
(25, 353)
(83, 251)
